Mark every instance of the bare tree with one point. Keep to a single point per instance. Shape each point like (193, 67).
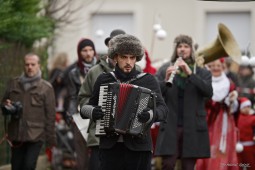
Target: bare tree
(62, 11)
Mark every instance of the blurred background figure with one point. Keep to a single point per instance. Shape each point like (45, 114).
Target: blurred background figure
(56, 73)
(63, 155)
(65, 81)
(246, 124)
(87, 58)
(246, 83)
(221, 124)
(229, 73)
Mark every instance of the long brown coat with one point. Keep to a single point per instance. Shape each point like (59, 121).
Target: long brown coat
(37, 121)
(195, 132)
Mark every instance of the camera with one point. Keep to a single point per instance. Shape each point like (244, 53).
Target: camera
(14, 109)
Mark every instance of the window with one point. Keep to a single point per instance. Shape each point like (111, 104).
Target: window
(104, 23)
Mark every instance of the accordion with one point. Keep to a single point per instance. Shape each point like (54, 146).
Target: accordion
(121, 104)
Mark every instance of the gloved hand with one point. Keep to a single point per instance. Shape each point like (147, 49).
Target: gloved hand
(97, 113)
(233, 96)
(144, 116)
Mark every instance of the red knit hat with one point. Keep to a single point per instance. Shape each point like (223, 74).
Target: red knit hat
(244, 102)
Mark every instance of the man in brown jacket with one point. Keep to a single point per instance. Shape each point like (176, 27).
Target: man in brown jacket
(30, 102)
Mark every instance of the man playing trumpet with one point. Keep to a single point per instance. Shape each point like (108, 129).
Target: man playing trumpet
(184, 135)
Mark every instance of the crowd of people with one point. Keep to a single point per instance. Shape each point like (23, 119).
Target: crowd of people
(194, 117)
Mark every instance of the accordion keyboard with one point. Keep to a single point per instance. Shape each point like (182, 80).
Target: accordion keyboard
(106, 105)
(101, 102)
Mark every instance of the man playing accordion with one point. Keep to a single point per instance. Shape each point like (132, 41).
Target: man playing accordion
(125, 150)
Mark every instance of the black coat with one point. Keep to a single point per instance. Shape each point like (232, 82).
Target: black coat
(195, 139)
(75, 79)
(133, 143)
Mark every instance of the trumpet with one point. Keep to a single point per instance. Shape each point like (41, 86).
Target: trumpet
(176, 67)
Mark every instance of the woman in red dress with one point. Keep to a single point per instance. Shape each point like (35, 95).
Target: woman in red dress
(221, 124)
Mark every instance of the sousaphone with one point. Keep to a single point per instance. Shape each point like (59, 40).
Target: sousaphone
(225, 45)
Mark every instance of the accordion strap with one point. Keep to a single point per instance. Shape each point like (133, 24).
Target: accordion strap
(138, 76)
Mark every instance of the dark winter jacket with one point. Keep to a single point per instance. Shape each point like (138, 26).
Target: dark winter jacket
(148, 81)
(86, 92)
(75, 79)
(197, 89)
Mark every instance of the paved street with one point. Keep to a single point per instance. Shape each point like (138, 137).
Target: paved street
(42, 164)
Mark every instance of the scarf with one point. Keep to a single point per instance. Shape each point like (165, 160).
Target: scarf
(28, 82)
(220, 86)
(125, 77)
(182, 75)
(87, 66)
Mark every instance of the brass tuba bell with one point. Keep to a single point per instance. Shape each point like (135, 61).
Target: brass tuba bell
(225, 45)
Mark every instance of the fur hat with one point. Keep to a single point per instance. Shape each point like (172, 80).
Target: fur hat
(125, 44)
(183, 39)
(113, 34)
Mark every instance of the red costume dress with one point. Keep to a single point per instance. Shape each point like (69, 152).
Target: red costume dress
(221, 126)
(246, 124)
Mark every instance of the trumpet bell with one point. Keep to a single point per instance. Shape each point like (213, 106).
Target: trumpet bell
(225, 45)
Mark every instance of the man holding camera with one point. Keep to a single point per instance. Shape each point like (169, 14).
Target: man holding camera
(29, 101)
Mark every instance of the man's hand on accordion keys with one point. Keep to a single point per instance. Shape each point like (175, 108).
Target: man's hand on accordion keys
(97, 113)
(145, 116)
